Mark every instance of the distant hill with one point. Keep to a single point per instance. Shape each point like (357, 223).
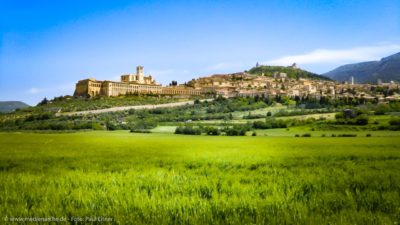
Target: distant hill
(386, 69)
(290, 71)
(9, 106)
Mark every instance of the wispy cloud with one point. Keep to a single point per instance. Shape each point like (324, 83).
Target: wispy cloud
(335, 56)
(34, 90)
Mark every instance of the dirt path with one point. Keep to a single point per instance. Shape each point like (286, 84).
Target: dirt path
(123, 108)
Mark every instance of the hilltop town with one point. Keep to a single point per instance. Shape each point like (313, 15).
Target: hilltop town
(245, 83)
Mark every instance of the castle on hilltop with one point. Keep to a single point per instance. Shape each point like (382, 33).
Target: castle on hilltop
(130, 84)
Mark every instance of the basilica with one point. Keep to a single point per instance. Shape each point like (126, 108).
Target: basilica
(130, 84)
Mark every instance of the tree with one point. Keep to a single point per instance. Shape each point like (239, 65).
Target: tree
(43, 102)
(188, 130)
(394, 121)
(212, 131)
(362, 119)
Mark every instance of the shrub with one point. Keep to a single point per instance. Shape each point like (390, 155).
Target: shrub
(306, 135)
(339, 115)
(97, 126)
(347, 135)
(212, 131)
(269, 124)
(368, 135)
(188, 130)
(255, 116)
(144, 124)
(394, 121)
(139, 131)
(261, 125)
(111, 126)
(234, 132)
(382, 127)
(362, 119)
(237, 130)
(296, 135)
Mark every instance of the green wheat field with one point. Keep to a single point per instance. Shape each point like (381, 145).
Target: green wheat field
(173, 179)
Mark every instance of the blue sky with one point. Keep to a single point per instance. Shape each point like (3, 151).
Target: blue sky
(46, 46)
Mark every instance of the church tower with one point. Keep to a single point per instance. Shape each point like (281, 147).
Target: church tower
(140, 74)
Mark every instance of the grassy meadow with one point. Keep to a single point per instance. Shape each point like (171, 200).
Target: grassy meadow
(162, 178)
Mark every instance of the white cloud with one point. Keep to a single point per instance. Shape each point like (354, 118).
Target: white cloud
(337, 56)
(34, 90)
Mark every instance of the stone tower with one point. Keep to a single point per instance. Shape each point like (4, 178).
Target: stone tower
(140, 74)
(351, 80)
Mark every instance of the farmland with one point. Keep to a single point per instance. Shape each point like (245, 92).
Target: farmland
(162, 178)
(243, 160)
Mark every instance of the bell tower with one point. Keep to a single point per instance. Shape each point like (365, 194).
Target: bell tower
(140, 74)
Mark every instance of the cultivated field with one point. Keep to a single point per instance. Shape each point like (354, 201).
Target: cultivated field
(163, 178)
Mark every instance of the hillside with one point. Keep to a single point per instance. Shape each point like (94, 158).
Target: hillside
(386, 69)
(72, 104)
(290, 71)
(10, 106)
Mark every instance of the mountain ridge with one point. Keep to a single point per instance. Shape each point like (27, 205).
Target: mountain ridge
(10, 106)
(386, 69)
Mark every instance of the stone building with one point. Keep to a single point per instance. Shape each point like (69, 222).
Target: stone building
(138, 78)
(129, 84)
(229, 85)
